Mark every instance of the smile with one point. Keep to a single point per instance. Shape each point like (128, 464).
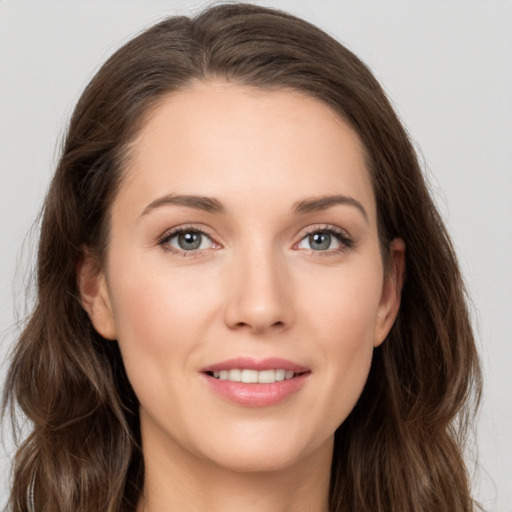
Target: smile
(254, 376)
(249, 382)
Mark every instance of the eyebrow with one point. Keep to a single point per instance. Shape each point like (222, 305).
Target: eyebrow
(324, 202)
(207, 204)
(212, 205)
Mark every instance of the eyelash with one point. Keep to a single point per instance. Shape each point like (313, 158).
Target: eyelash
(163, 241)
(345, 240)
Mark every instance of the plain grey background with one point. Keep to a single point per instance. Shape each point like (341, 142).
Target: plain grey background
(447, 67)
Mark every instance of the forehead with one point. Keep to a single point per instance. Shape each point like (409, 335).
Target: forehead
(238, 142)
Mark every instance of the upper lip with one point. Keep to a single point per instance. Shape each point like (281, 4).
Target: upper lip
(249, 363)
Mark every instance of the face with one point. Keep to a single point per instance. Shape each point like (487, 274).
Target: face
(244, 279)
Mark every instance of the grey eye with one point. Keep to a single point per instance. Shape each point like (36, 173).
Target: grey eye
(320, 241)
(190, 241)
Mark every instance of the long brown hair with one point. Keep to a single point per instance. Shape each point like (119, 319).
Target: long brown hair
(401, 448)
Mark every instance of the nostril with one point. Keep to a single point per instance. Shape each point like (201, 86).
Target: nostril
(259, 327)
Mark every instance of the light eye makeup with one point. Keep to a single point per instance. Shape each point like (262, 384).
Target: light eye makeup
(193, 241)
(187, 241)
(325, 240)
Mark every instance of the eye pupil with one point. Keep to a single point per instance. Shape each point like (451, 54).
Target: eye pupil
(189, 241)
(319, 241)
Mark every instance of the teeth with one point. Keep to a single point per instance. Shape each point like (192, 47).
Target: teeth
(249, 376)
(267, 376)
(254, 376)
(235, 375)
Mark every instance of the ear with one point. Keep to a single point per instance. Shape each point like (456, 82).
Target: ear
(94, 295)
(391, 291)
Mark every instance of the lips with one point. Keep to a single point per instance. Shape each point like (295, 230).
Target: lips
(270, 363)
(255, 383)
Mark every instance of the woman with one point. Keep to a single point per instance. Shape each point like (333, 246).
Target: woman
(246, 297)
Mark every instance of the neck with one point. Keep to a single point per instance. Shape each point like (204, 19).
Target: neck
(176, 480)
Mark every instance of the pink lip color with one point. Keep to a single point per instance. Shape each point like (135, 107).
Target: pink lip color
(269, 363)
(256, 395)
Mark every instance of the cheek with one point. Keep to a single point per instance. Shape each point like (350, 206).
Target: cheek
(162, 317)
(158, 312)
(342, 316)
(343, 305)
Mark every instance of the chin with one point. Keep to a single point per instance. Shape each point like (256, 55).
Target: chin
(253, 456)
(256, 462)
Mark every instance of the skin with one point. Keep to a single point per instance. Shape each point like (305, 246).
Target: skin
(255, 288)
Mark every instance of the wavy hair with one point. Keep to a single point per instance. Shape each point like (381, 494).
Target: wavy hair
(401, 448)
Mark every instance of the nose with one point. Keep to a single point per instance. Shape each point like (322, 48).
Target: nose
(259, 292)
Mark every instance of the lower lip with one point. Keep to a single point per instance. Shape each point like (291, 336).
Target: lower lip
(256, 395)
